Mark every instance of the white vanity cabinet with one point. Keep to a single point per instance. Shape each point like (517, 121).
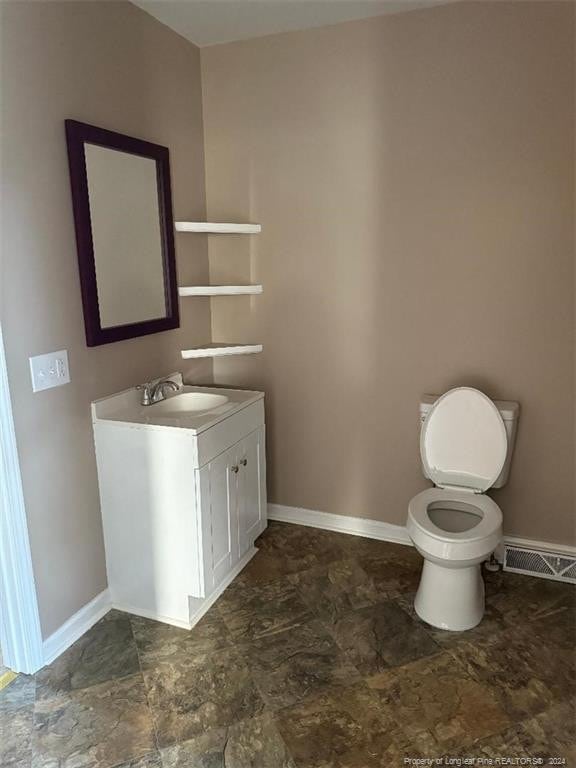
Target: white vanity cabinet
(183, 497)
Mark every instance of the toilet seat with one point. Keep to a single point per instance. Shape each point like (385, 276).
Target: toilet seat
(446, 547)
(482, 505)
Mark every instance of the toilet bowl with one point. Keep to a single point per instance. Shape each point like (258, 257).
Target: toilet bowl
(455, 526)
(454, 534)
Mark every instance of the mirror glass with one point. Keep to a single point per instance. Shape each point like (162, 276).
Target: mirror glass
(125, 217)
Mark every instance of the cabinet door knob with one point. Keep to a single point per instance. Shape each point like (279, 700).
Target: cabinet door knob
(244, 462)
(234, 468)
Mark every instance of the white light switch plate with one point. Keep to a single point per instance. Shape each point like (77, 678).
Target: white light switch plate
(49, 370)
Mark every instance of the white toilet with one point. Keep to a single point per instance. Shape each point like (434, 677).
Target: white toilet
(466, 445)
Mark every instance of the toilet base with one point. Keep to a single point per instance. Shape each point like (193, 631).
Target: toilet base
(450, 598)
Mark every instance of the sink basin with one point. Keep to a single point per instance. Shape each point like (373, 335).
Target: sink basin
(189, 402)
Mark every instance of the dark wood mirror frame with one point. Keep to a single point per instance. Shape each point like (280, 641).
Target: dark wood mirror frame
(77, 135)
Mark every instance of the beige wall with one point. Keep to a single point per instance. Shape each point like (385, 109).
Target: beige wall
(112, 65)
(414, 176)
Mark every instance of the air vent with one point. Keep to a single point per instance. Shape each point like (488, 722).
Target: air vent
(547, 565)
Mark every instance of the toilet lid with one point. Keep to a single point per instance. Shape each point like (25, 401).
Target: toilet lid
(463, 442)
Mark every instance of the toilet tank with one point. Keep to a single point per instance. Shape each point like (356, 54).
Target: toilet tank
(509, 411)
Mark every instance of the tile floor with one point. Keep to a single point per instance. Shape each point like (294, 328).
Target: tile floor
(312, 658)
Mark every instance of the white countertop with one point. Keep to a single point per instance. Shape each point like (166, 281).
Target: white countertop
(126, 408)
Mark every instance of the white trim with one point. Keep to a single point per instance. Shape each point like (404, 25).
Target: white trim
(76, 626)
(375, 529)
(20, 633)
(357, 526)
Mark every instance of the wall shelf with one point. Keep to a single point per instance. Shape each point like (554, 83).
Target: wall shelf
(219, 350)
(219, 290)
(217, 228)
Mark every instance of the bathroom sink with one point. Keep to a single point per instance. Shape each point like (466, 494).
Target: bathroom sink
(189, 402)
(191, 408)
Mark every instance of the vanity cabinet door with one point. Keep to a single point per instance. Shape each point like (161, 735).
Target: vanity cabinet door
(219, 504)
(232, 503)
(251, 490)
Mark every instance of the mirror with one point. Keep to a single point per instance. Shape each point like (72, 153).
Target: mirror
(123, 219)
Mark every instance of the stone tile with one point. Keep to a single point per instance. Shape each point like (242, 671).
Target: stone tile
(381, 636)
(254, 743)
(296, 547)
(393, 577)
(551, 734)
(521, 668)
(96, 727)
(548, 735)
(526, 599)
(332, 730)
(438, 705)
(557, 631)
(491, 623)
(16, 737)
(253, 612)
(157, 641)
(106, 652)
(16, 719)
(151, 760)
(502, 582)
(192, 692)
(500, 745)
(19, 694)
(291, 665)
(262, 568)
(550, 612)
(364, 548)
(334, 589)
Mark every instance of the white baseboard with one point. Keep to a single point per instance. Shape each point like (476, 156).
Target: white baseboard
(76, 626)
(375, 529)
(357, 526)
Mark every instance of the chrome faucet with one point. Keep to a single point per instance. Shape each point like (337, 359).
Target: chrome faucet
(153, 392)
